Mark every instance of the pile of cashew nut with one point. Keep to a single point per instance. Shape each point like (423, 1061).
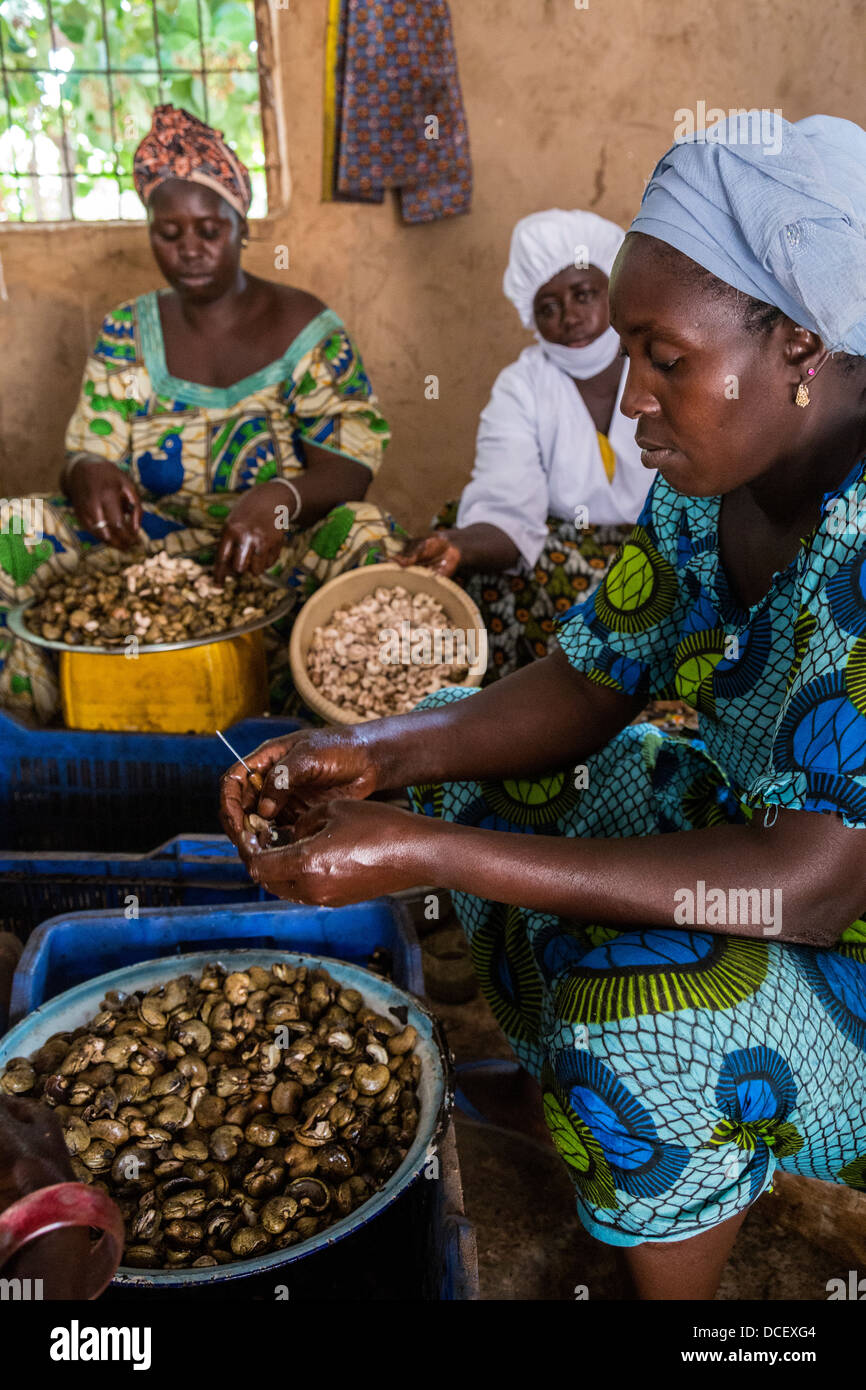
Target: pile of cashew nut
(352, 661)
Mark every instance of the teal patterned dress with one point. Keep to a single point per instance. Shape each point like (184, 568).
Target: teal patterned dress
(681, 1067)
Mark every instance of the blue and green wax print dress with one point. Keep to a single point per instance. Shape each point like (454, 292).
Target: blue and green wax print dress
(192, 452)
(680, 1066)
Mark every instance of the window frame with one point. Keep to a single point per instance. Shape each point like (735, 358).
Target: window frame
(277, 179)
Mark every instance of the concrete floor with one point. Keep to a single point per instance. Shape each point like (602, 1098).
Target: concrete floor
(531, 1245)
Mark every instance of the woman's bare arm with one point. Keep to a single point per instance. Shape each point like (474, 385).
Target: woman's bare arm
(537, 720)
(801, 880)
(327, 480)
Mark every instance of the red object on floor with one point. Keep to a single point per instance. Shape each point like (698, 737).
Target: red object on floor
(62, 1205)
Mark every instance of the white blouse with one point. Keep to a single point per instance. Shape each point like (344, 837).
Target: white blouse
(538, 455)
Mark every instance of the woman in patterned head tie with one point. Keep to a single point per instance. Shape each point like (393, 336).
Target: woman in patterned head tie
(180, 146)
(227, 413)
(670, 931)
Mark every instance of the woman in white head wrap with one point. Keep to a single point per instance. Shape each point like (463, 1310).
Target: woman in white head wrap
(557, 481)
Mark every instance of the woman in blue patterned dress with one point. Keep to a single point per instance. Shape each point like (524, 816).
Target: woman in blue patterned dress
(693, 1006)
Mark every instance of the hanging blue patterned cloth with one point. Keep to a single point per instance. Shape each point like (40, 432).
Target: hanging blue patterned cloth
(682, 1067)
(398, 119)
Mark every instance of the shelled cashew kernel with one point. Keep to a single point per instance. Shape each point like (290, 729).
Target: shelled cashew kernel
(349, 660)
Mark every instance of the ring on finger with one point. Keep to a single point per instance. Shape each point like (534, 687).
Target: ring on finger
(100, 526)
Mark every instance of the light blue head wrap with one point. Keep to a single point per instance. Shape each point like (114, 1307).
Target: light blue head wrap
(776, 210)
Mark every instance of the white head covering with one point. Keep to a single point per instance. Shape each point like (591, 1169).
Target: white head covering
(545, 243)
(542, 245)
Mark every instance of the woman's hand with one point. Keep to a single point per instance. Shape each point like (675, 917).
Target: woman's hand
(33, 1153)
(297, 772)
(347, 851)
(251, 540)
(106, 502)
(438, 552)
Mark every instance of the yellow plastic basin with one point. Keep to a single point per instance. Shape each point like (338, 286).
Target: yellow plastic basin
(192, 690)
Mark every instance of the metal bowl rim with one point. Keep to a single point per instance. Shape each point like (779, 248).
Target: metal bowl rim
(17, 626)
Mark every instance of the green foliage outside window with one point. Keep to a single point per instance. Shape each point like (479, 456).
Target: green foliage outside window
(79, 80)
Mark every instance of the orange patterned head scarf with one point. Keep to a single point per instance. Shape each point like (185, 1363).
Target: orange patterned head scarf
(180, 146)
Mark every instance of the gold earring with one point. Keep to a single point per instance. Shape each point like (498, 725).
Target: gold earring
(245, 241)
(802, 396)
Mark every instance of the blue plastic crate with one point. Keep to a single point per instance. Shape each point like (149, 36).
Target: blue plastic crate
(68, 789)
(188, 871)
(67, 950)
(63, 952)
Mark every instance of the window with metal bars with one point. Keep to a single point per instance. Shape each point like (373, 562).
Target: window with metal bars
(80, 78)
